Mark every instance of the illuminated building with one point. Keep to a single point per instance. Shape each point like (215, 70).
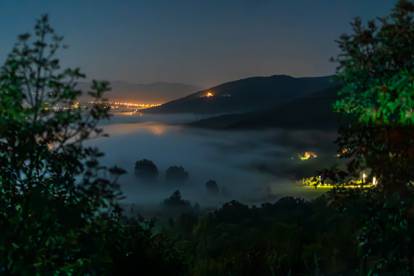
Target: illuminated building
(307, 155)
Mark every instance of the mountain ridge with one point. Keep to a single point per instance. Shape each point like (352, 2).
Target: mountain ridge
(310, 112)
(248, 94)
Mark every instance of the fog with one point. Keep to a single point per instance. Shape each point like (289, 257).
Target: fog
(249, 166)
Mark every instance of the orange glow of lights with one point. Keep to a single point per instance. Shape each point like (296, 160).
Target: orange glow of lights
(308, 155)
(209, 94)
(157, 130)
(137, 105)
(119, 105)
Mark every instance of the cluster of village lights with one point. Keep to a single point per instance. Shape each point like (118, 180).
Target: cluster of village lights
(315, 182)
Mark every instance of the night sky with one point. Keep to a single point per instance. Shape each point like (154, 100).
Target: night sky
(192, 41)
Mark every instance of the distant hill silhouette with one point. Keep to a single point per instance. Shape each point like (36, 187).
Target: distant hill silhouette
(250, 94)
(312, 111)
(157, 92)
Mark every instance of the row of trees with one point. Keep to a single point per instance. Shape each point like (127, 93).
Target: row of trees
(147, 170)
(289, 237)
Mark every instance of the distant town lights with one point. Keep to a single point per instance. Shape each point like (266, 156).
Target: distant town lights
(118, 105)
(128, 104)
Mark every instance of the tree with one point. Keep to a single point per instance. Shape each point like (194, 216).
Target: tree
(212, 187)
(146, 169)
(58, 213)
(289, 237)
(176, 174)
(376, 70)
(52, 187)
(176, 201)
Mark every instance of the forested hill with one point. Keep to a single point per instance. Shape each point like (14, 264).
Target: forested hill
(309, 112)
(245, 95)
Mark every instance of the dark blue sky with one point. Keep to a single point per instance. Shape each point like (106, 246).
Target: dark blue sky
(201, 42)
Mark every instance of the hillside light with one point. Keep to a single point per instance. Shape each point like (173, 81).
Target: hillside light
(209, 94)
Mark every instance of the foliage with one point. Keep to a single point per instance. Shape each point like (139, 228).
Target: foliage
(175, 200)
(376, 69)
(176, 174)
(146, 169)
(212, 187)
(59, 213)
(137, 248)
(175, 205)
(291, 236)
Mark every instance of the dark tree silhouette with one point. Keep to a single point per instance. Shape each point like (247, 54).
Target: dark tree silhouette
(176, 174)
(176, 200)
(212, 187)
(175, 205)
(376, 69)
(52, 185)
(146, 169)
(58, 212)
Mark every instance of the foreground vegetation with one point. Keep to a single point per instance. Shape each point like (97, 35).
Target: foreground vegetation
(289, 237)
(59, 207)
